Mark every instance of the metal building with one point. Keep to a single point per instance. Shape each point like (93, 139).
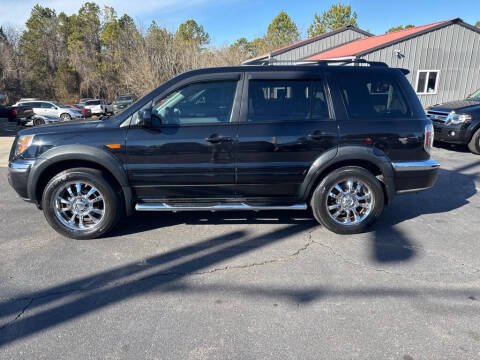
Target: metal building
(312, 46)
(443, 57)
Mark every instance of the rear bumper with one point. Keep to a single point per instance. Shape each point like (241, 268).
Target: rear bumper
(18, 172)
(413, 176)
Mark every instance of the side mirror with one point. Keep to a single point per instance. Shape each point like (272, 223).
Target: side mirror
(145, 118)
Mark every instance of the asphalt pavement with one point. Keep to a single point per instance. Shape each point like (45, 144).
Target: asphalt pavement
(267, 285)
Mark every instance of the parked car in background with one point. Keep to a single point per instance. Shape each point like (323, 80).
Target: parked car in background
(52, 108)
(341, 140)
(21, 114)
(83, 101)
(99, 107)
(85, 112)
(38, 120)
(122, 102)
(458, 122)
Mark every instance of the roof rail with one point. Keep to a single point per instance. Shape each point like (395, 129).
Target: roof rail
(340, 62)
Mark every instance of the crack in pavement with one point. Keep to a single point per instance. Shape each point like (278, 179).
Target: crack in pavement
(410, 276)
(214, 270)
(19, 314)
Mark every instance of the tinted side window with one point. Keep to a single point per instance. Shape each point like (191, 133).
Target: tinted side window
(198, 103)
(373, 96)
(47, 106)
(286, 100)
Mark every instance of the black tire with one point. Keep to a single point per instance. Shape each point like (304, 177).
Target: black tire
(320, 198)
(474, 144)
(66, 117)
(112, 203)
(38, 122)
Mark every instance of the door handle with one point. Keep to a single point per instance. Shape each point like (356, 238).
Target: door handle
(317, 135)
(218, 139)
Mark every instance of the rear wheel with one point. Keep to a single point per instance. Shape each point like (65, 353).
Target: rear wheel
(348, 200)
(474, 144)
(79, 203)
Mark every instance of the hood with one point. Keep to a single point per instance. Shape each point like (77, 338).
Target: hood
(63, 127)
(458, 106)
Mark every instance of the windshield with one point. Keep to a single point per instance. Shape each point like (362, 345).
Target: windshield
(124, 98)
(475, 96)
(93, 102)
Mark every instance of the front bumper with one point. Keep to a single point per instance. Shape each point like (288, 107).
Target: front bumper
(413, 176)
(18, 172)
(455, 134)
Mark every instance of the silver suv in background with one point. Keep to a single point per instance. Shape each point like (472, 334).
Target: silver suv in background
(53, 109)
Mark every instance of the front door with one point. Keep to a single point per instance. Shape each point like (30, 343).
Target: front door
(287, 123)
(188, 150)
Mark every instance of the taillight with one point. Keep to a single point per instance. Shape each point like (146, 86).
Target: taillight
(14, 112)
(429, 134)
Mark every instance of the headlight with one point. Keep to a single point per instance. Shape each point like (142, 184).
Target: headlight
(454, 118)
(23, 143)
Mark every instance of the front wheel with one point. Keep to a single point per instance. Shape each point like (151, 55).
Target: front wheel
(348, 200)
(65, 117)
(474, 144)
(80, 204)
(38, 122)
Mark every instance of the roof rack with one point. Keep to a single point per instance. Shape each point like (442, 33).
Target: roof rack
(340, 62)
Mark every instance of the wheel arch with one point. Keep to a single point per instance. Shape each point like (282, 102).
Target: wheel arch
(72, 156)
(372, 159)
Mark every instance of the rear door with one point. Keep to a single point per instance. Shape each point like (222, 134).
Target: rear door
(287, 123)
(188, 153)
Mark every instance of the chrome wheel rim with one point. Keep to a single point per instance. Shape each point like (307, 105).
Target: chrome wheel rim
(349, 202)
(79, 206)
(65, 117)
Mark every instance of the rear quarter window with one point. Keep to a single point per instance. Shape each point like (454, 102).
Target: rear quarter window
(373, 96)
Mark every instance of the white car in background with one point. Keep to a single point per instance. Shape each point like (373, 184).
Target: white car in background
(99, 107)
(52, 108)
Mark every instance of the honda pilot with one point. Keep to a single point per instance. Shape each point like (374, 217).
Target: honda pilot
(339, 140)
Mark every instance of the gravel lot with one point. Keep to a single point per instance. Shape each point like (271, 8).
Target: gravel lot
(249, 285)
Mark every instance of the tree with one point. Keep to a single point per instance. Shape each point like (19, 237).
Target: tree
(66, 83)
(281, 31)
(337, 16)
(191, 31)
(478, 23)
(400, 27)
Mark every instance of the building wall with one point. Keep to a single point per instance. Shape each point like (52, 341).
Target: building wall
(319, 45)
(454, 50)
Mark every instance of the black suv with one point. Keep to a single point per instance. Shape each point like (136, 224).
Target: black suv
(458, 122)
(342, 140)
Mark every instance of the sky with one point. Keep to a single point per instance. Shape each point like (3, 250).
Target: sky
(228, 20)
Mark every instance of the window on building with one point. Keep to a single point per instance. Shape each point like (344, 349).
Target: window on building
(370, 97)
(287, 100)
(427, 81)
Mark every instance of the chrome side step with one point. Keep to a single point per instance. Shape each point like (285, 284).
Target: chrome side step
(166, 207)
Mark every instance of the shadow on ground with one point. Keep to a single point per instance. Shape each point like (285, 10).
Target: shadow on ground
(40, 310)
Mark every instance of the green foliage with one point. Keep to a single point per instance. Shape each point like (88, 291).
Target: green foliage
(191, 31)
(281, 31)
(337, 16)
(400, 27)
(67, 83)
(478, 23)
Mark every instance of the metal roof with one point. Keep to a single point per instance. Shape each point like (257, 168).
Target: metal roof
(367, 45)
(307, 41)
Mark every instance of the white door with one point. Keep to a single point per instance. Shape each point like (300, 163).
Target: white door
(49, 109)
